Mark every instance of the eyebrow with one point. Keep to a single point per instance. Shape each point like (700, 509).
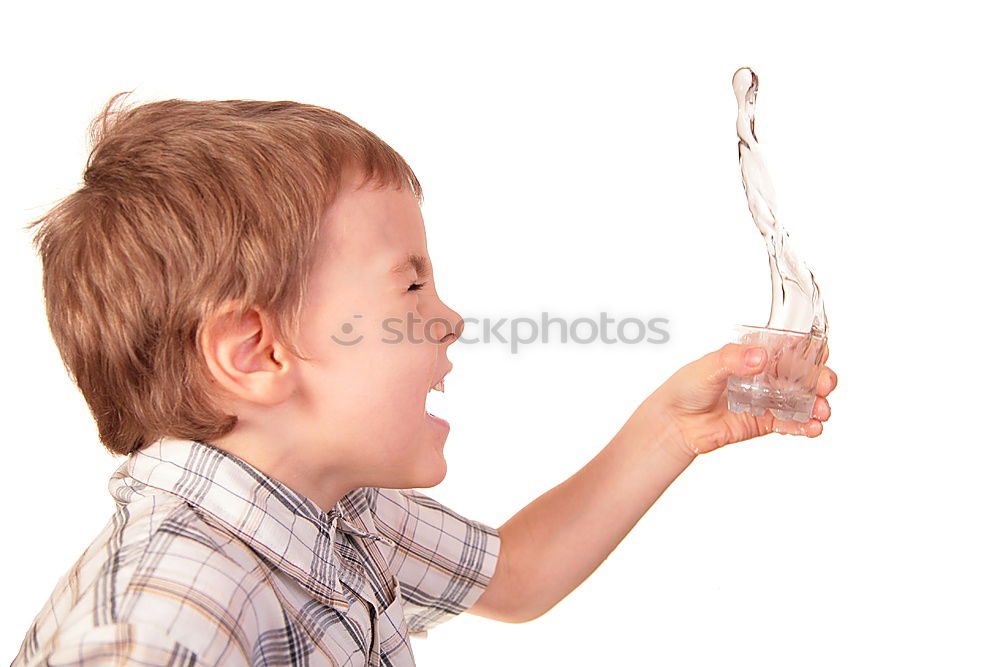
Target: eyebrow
(416, 262)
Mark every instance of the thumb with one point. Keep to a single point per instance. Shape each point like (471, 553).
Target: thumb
(735, 359)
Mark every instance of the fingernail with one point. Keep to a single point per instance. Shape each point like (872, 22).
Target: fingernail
(754, 356)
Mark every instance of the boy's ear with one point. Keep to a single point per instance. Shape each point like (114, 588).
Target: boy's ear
(244, 358)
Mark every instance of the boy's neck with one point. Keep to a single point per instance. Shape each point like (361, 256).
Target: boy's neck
(292, 462)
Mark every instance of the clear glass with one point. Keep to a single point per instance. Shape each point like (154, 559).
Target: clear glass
(787, 385)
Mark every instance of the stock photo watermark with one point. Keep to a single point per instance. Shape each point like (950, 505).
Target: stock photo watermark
(514, 332)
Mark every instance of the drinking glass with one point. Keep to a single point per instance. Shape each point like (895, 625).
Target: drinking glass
(787, 384)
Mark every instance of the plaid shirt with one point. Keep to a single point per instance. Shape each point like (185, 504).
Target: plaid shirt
(208, 561)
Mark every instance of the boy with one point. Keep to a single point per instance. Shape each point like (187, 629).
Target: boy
(216, 289)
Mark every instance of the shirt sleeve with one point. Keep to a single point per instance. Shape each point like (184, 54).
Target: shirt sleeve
(442, 560)
(118, 644)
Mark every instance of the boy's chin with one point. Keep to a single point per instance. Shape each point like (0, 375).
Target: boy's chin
(439, 476)
(432, 472)
(420, 464)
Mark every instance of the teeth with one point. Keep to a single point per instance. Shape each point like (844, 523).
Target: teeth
(438, 387)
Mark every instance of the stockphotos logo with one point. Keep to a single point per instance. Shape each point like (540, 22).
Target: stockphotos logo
(515, 332)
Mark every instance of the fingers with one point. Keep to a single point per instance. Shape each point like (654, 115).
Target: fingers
(828, 379)
(827, 382)
(733, 359)
(810, 429)
(743, 358)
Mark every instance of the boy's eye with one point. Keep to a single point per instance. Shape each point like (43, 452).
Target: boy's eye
(415, 287)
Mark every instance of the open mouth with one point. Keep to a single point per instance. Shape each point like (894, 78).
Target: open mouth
(437, 386)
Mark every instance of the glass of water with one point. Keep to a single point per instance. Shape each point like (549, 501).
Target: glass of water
(787, 384)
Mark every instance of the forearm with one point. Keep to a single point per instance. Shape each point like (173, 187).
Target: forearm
(559, 539)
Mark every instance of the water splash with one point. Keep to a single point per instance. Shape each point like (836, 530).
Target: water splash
(796, 303)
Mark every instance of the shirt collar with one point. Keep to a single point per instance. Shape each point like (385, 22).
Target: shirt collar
(285, 527)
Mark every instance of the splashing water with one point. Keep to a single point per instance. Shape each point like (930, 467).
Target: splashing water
(796, 304)
(796, 332)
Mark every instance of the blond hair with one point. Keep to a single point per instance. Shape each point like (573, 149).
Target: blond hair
(186, 206)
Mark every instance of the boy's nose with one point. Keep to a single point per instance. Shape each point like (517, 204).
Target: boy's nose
(445, 325)
(457, 333)
(448, 330)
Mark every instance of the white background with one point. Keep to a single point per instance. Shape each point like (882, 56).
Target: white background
(581, 158)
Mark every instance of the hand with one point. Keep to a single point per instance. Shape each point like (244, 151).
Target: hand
(693, 401)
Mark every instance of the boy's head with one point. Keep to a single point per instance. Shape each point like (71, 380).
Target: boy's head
(229, 272)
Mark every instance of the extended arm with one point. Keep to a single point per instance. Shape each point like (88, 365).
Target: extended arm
(551, 546)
